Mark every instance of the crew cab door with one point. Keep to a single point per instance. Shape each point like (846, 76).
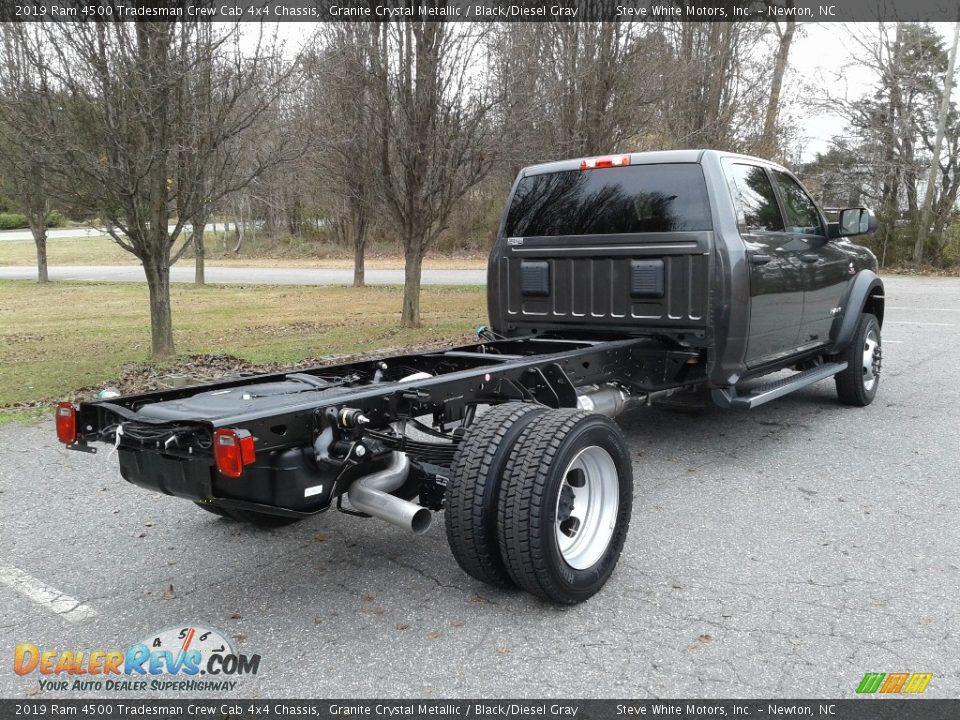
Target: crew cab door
(826, 264)
(773, 258)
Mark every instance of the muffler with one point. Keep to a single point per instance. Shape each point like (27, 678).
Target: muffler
(371, 495)
(611, 400)
(606, 399)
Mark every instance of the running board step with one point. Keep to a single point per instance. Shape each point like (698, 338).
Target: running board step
(760, 394)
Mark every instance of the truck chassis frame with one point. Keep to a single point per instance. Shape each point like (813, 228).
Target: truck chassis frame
(534, 369)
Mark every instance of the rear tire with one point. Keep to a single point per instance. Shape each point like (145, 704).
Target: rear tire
(473, 488)
(258, 519)
(565, 505)
(858, 384)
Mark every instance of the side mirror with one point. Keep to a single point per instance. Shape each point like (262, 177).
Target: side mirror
(856, 221)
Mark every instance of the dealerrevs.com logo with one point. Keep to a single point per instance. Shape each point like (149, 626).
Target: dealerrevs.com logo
(188, 659)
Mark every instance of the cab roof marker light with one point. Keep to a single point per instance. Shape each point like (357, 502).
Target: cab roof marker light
(605, 161)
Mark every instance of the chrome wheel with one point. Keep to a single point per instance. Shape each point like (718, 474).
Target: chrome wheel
(587, 507)
(871, 359)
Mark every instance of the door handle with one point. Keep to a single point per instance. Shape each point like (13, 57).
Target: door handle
(809, 257)
(760, 259)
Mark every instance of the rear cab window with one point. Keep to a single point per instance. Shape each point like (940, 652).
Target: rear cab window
(670, 197)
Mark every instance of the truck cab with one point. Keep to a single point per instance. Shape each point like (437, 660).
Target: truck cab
(711, 250)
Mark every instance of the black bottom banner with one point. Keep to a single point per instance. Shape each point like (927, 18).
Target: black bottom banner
(851, 709)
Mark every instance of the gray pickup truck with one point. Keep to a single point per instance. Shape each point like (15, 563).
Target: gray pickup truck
(614, 281)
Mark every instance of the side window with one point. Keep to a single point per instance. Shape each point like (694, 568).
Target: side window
(754, 198)
(802, 215)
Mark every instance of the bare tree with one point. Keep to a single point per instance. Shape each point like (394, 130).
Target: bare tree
(768, 139)
(935, 166)
(235, 121)
(895, 126)
(133, 143)
(716, 90)
(433, 134)
(203, 109)
(568, 89)
(343, 97)
(23, 161)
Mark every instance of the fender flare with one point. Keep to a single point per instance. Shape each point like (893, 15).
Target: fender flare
(863, 285)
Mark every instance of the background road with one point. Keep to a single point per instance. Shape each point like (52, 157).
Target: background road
(781, 552)
(247, 276)
(53, 234)
(81, 232)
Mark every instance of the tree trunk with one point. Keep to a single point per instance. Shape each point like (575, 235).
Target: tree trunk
(924, 228)
(714, 133)
(413, 266)
(199, 251)
(161, 323)
(359, 242)
(238, 233)
(776, 85)
(39, 230)
(890, 192)
(360, 227)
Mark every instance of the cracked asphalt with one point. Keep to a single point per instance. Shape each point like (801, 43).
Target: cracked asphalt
(782, 552)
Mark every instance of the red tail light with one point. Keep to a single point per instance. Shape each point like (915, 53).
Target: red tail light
(66, 423)
(604, 162)
(233, 450)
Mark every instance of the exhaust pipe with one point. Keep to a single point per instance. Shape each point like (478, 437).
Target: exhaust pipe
(606, 400)
(611, 400)
(371, 495)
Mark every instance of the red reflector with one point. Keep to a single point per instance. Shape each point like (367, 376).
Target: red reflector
(66, 423)
(247, 453)
(233, 449)
(604, 162)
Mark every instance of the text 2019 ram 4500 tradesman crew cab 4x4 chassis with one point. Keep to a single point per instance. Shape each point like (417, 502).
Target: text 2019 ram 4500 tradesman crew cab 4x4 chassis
(614, 281)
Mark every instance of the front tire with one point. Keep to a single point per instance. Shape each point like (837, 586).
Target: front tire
(858, 384)
(565, 505)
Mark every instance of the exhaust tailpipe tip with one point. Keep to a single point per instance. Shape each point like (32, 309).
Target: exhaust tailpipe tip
(421, 521)
(371, 495)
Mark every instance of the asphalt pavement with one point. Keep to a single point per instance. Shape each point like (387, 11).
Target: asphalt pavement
(781, 552)
(246, 276)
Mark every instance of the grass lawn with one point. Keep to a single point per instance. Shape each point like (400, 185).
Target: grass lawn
(57, 339)
(282, 252)
(66, 251)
